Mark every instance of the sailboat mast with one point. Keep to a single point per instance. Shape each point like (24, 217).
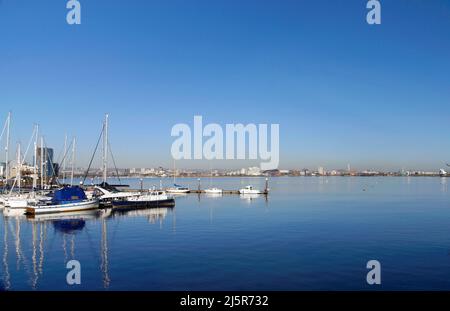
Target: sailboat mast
(8, 120)
(42, 163)
(73, 160)
(19, 167)
(174, 172)
(210, 174)
(64, 160)
(105, 149)
(35, 157)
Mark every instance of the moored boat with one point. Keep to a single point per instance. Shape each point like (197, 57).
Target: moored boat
(250, 190)
(213, 191)
(157, 198)
(107, 194)
(67, 199)
(178, 189)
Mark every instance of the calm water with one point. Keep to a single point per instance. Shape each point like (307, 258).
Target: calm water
(311, 233)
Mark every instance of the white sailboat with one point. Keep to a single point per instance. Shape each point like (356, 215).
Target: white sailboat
(177, 189)
(212, 190)
(105, 192)
(67, 199)
(15, 204)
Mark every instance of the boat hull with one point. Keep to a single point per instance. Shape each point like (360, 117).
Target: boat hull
(63, 208)
(177, 190)
(11, 212)
(123, 205)
(245, 191)
(213, 191)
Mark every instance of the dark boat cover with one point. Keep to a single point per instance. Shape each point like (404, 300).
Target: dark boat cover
(68, 195)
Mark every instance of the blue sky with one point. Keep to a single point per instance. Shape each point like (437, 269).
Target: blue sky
(342, 91)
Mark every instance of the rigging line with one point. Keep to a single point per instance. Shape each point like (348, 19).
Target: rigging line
(29, 145)
(4, 128)
(67, 152)
(114, 162)
(93, 155)
(59, 155)
(23, 160)
(51, 164)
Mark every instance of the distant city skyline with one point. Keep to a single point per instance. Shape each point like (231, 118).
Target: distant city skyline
(343, 92)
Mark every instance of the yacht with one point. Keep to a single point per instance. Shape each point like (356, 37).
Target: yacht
(67, 199)
(154, 198)
(108, 193)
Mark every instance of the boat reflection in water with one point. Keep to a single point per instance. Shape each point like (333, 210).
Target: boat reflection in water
(71, 227)
(249, 197)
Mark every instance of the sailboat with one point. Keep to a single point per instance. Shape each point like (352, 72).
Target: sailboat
(109, 195)
(16, 204)
(212, 190)
(105, 192)
(177, 188)
(66, 199)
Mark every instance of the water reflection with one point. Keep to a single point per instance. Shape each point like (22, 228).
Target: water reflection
(249, 197)
(443, 182)
(67, 226)
(6, 276)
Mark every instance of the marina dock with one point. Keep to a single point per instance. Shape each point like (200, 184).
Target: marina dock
(223, 192)
(201, 191)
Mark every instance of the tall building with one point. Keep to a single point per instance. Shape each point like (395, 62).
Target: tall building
(50, 169)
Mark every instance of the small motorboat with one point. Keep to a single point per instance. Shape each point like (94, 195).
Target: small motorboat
(250, 190)
(178, 189)
(67, 199)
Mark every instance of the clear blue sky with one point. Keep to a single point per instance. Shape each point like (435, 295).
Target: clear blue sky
(341, 90)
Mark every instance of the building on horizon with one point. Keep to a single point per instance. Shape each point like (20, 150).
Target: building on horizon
(50, 169)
